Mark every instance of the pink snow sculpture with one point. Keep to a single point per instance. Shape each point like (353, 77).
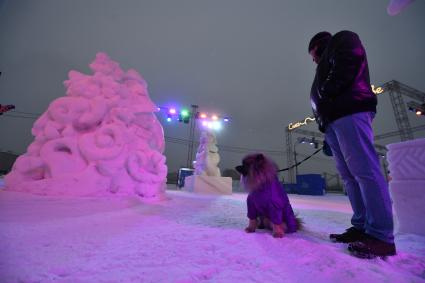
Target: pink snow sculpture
(101, 138)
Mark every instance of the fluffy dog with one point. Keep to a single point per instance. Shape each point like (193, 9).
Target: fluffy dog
(268, 203)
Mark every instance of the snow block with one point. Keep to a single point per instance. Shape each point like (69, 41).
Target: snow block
(407, 188)
(208, 185)
(407, 160)
(409, 205)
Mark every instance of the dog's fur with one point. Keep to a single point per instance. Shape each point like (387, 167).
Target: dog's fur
(261, 170)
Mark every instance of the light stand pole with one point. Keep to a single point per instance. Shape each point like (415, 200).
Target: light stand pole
(299, 140)
(296, 165)
(193, 117)
(295, 157)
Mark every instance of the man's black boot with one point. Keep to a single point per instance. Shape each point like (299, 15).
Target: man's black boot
(371, 247)
(349, 236)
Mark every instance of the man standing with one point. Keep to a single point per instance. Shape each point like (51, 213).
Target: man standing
(344, 106)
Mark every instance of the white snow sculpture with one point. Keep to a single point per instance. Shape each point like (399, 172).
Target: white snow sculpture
(102, 137)
(207, 178)
(207, 157)
(407, 187)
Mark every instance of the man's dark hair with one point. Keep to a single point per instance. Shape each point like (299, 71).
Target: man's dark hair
(320, 40)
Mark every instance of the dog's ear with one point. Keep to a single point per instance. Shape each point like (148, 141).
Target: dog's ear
(242, 169)
(259, 161)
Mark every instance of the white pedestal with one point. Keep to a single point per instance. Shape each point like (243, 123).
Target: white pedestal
(407, 160)
(407, 188)
(409, 205)
(208, 185)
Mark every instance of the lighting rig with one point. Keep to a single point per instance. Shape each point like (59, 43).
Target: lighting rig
(418, 109)
(207, 120)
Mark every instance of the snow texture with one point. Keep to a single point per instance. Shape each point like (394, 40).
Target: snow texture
(207, 157)
(190, 238)
(407, 160)
(407, 187)
(102, 137)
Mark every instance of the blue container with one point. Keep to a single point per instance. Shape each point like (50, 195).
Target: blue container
(311, 184)
(183, 173)
(290, 188)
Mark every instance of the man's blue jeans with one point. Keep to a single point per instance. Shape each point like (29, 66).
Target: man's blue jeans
(351, 141)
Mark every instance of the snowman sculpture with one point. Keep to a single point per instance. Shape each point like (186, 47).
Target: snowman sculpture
(207, 157)
(207, 178)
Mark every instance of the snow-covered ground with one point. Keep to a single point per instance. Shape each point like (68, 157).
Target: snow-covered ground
(189, 238)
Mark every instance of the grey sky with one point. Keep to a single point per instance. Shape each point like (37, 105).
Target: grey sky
(243, 58)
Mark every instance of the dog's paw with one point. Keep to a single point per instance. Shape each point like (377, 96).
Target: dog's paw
(249, 229)
(278, 234)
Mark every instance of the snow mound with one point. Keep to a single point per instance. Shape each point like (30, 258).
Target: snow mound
(102, 137)
(190, 238)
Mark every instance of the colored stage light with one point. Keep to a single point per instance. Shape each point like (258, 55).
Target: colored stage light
(214, 117)
(226, 119)
(216, 125)
(418, 109)
(184, 113)
(172, 111)
(203, 116)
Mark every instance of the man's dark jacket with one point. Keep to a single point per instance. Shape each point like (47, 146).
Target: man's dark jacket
(341, 86)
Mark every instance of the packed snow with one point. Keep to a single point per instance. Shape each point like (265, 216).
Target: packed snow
(102, 137)
(187, 238)
(407, 166)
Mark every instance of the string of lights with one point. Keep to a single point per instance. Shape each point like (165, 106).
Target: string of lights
(185, 142)
(318, 159)
(27, 113)
(226, 148)
(19, 116)
(173, 140)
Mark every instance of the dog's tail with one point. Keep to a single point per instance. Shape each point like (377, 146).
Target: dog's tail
(300, 222)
